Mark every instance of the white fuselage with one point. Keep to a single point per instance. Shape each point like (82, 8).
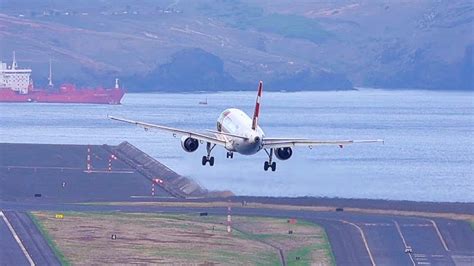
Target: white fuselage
(236, 122)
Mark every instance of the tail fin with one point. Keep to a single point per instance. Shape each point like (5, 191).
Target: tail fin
(257, 106)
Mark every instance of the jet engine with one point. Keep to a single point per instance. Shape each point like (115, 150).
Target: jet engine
(189, 144)
(283, 153)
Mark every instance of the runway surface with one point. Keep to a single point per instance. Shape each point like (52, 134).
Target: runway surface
(10, 250)
(355, 238)
(79, 173)
(47, 177)
(31, 238)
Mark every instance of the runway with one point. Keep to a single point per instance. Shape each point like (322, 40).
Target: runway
(355, 238)
(59, 178)
(79, 173)
(31, 249)
(11, 250)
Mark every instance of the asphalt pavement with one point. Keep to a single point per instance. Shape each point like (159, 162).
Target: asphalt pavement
(10, 250)
(31, 238)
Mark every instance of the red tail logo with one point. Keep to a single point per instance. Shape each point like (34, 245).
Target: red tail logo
(257, 106)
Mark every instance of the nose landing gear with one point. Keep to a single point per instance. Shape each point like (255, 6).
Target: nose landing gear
(230, 154)
(269, 163)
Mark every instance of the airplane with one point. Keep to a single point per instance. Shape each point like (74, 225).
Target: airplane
(238, 133)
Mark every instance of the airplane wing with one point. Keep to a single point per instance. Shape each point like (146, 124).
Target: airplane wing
(212, 138)
(288, 142)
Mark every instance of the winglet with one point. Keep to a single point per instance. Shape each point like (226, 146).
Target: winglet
(257, 106)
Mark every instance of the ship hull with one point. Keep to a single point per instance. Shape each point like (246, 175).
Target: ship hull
(94, 96)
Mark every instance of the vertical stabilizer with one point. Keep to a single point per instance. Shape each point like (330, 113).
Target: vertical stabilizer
(257, 106)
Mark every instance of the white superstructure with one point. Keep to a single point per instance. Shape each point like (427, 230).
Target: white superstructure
(14, 78)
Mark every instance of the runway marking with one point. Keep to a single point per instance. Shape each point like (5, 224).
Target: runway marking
(416, 225)
(41, 167)
(109, 172)
(421, 258)
(151, 197)
(377, 224)
(423, 263)
(404, 242)
(126, 171)
(25, 252)
(439, 234)
(420, 255)
(364, 239)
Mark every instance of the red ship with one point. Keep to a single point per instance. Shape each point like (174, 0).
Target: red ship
(17, 86)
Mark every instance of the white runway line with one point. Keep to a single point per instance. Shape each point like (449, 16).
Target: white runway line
(397, 226)
(363, 239)
(439, 234)
(17, 239)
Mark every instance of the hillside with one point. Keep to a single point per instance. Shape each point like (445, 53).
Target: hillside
(231, 44)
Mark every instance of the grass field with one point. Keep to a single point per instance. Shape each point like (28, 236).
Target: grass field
(85, 238)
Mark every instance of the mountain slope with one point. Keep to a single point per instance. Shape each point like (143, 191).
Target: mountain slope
(231, 44)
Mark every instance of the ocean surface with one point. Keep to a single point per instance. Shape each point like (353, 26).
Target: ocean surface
(427, 155)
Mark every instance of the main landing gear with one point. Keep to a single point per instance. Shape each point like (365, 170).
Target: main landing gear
(208, 158)
(230, 154)
(269, 163)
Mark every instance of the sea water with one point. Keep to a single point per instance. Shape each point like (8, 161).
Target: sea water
(427, 154)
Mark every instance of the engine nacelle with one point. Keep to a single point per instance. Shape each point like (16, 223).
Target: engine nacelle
(189, 144)
(283, 153)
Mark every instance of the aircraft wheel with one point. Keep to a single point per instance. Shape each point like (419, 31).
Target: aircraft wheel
(204, 160)
(265, 166)
(211, 161)
(274, 166)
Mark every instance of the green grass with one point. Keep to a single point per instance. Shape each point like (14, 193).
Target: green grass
(49, 240)
(290, 26)
(269, 258)
(472, 225)
(305, 256)
(248, 16)
(328, 249)
(304, 253)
